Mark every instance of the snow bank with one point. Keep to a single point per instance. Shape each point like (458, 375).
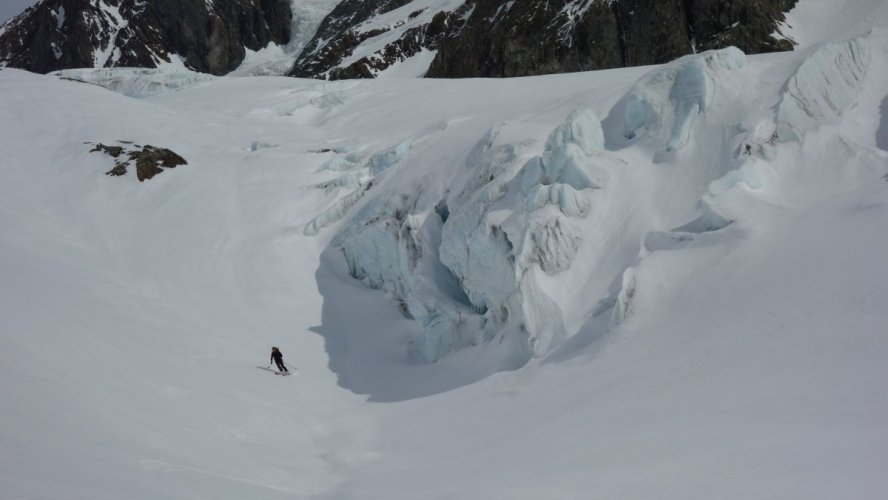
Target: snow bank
(821, 89)
(663, 106)
(350, 161)
(566, 158)
(359, 177)
(137, 82)
(384, 159)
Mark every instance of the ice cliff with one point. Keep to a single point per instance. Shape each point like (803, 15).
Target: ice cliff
(137, 82)
(465, 264)
(663, 106)
(822, 87)
(532, 240)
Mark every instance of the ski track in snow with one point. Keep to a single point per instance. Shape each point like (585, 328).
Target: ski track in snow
(723, 317)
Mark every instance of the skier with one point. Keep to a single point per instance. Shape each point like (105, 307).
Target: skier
(278, 358)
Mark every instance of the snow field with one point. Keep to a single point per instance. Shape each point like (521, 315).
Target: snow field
(99, 384)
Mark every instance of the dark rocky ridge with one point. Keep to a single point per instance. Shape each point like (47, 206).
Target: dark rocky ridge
(534, 37)
(492, 38)
(480, 38)
(63, 34)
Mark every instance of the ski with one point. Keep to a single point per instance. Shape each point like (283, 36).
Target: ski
(273, 371)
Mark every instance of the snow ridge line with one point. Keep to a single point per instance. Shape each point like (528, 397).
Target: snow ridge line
(823, 86)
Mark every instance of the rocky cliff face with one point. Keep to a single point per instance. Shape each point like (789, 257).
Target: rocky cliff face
(206, 35)
(360, 38)
(492, 38)
(528, 37)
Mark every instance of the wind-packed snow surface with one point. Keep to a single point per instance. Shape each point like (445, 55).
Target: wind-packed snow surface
(661, 282)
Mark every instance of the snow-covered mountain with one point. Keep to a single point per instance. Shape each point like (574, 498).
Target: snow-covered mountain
(207, 36)
(653, 282)
(362, 39)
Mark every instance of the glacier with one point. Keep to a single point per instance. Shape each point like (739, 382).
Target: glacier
(664, 105)
(481, 240)
(496, 239)
(499, 236)
(138, 82)
(473, 279)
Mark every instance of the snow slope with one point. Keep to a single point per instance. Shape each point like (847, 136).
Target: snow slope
(719, 330)
(813, 21)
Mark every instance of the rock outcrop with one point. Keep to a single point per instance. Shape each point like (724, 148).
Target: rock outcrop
(150, 160)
